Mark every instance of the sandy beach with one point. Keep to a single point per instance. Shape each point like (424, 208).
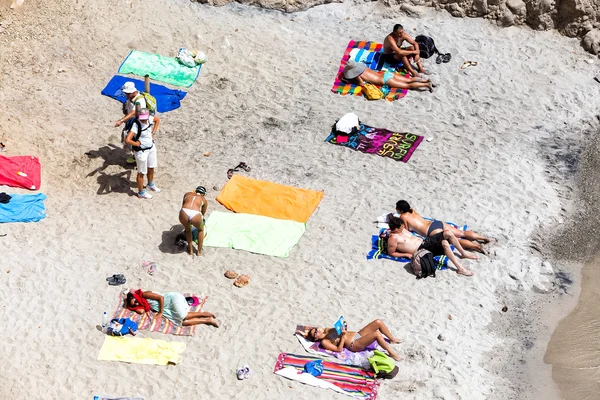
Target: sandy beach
(501, 132)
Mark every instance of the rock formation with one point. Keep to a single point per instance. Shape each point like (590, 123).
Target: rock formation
(574, 18)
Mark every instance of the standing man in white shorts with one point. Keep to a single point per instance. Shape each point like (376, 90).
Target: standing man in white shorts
(141, 139)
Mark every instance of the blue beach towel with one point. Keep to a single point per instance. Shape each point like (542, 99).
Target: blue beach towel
(23, 208)
(166, 99)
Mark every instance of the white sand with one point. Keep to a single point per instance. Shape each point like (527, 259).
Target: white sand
(264, 98)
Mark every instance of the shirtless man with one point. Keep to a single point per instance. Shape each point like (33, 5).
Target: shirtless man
(359, 72)
(402, 243)
(393, 52)
(192, 212)
(414, 222)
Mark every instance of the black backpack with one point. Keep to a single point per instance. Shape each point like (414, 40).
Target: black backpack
(426, 46)
(423, 264)
(138, 134)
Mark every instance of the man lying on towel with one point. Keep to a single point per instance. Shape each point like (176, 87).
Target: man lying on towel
(401, 243)
(415, 223)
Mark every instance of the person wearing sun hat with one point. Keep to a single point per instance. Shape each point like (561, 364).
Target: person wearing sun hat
(192, 212)
(133, 104)
(141, 139)
(361, 74)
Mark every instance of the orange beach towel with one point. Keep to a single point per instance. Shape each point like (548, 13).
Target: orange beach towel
(251, 196)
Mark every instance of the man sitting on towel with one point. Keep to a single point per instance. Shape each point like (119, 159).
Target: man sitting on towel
(401, 243)
(394, 53)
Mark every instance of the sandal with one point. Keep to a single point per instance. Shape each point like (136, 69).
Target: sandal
(152, 266)
(116, 280)
(2, 146)
(243, 166)
(230, 173)
(467, 64)
(241, 281)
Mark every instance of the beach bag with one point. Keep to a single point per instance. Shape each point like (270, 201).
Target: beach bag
(150, 101)
(122, 327)
(384, 366)
(371, 92)
(426, 46)
(315, 368)
(423, 264)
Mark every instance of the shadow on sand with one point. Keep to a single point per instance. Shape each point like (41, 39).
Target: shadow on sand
(112, 183)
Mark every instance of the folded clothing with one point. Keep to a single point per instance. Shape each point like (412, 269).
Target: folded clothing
(4, 198)
(166, 99)
(252, 196)
(20, 171)
(23, 208)
(253, 233)
(160, 68)
(140, 351)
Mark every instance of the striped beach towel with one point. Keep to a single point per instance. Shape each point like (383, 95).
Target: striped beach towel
(146, 322)
(350, 380)
(369, 53)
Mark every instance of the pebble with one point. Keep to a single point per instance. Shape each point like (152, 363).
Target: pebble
(441, 338)
(215, 188)
(504, 309)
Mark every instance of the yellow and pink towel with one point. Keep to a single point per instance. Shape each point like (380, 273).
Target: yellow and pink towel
(369, 53)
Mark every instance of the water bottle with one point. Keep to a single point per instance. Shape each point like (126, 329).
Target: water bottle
(104, 322)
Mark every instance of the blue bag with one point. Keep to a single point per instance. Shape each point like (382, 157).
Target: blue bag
(315, 368)
(122, 327)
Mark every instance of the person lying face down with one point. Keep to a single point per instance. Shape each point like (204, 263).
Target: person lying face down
(359, 73)
(171, 305)
(354, 341)
(402, 243)
(415, 223)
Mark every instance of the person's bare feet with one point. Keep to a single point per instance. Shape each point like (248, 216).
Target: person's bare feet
(395, 340)
(471, 256)
(213, 322)
(465, 272)
(395, 356)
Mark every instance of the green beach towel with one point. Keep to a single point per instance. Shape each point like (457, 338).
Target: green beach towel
(160, 68)
(253, 233)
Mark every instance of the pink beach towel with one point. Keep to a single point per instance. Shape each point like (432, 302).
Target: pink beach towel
(20, 171)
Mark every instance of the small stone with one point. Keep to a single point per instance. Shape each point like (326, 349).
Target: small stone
(450, 317)
(441, 338)
(215, 188)
(8, 272)
(61, 70)
(90, 64)
(504, 309)
(207, 154)
(589, 61)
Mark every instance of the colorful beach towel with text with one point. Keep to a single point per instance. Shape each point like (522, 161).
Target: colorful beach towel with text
(369, 53)
(354, 381)
(384, 143)
(146, 321)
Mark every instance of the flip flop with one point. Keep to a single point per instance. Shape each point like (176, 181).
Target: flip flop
(244, 166)
(2, 146)
(446, 57)
(230, 173)
(116, 280)
(468, 64)
(439, 59)
(596, 78)
(115, 276)
(241, 281)
(151, 265)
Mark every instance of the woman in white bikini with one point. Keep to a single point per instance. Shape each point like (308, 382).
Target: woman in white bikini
(355, 341)
(191, 214)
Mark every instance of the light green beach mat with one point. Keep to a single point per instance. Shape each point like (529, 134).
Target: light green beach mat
(160, 68)
(254, 233)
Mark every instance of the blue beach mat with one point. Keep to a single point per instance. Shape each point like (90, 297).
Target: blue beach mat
(166, 99)
(23, 208)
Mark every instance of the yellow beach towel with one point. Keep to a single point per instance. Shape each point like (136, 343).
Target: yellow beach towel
(141, 351)
(251, 196)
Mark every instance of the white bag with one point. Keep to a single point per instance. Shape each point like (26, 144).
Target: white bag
(200, 57)
(185, 58)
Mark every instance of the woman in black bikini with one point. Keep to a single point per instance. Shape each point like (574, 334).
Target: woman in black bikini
(355, 341)
(191, 214)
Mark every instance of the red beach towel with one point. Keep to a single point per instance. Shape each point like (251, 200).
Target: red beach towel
(20, 171)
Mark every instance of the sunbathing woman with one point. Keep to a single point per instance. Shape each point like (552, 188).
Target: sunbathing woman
(355, 341)
(414, 222)
(171, 305)
(191, 214)
(361, 74)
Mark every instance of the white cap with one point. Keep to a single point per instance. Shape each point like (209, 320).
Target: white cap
(129, 87)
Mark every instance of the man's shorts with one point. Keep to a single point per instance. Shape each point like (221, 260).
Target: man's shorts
(145, 159)
(434, 244)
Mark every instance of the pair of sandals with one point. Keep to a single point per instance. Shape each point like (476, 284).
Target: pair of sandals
(117, 279)
(443, 58)
(151, 267)
(241, 165)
